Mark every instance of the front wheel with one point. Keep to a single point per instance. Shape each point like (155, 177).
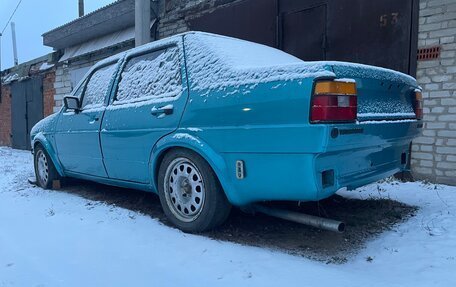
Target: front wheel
(190, 193)
(45, 171)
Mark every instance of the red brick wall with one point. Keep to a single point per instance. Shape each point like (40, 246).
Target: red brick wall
(48, 93)
(5, 117)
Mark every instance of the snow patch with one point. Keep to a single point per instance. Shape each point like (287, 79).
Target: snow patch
(345, 80)
(186, 136)
(44, 125)
(194, 129)
(10, 78)
(386, 122)
(398, 115)
(380, 107)
(45, 66)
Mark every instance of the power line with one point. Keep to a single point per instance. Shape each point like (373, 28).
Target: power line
(11, 17)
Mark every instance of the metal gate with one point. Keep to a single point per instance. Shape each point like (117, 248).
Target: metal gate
(382, 33)
(26, 110)
(253, 20)
(303, 33)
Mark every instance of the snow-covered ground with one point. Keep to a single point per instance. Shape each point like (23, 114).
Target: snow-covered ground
(50, 238)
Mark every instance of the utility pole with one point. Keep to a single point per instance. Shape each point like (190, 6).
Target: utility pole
(142, 22)
(81, 8)
(13, 32)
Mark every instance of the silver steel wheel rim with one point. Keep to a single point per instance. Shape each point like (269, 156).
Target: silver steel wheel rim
(42, 167)
(184, 189)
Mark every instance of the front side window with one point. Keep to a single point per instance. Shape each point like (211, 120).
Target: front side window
(78, 92)
(150, 76)
(98, 86)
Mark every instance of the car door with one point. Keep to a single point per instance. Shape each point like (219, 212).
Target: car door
(147, 104)
(77, 132)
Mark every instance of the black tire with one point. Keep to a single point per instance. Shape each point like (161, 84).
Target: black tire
(215, 207)
(52, 174)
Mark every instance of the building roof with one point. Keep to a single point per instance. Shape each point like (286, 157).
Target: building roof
(99, 43)
(111, 18)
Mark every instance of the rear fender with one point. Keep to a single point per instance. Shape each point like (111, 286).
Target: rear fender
(41, 139)
(196, 144)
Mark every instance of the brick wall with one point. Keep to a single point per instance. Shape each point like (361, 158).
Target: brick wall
(62, 86)
(434, 153)
(176, 13)
(5, 117)
(48, 93)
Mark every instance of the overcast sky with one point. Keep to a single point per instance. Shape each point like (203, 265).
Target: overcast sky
(33, 18)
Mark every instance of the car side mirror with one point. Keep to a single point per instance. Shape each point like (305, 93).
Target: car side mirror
(71, 103)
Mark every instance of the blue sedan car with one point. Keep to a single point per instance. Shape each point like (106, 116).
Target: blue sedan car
(208, 122)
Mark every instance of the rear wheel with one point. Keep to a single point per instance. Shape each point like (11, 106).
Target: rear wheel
(190, 193)
(45, 171)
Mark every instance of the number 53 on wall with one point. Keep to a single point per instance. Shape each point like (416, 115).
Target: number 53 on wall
(389, 19)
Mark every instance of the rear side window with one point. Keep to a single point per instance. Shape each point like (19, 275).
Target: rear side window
(98, 86)
(150, 76)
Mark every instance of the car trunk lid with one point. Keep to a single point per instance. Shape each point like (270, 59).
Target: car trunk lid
(383, 94)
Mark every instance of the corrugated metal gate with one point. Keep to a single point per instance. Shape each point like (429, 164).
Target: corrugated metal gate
(26, 110)
(253, 20)
(303, 33)
(382, 33)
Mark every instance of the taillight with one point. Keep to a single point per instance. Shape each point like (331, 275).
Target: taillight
(418, 105)
(334, 101)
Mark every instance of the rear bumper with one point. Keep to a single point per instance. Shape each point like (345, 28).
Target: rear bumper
(361, 178)
(364, 153)
(310, 177)
(358, 154)
(354, 168)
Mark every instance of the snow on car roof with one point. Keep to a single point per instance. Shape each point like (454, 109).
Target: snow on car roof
(215, 62)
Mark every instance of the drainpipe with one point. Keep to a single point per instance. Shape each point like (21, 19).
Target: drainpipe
(142, 22)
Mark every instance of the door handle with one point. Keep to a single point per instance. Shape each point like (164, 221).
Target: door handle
(93, 120)
(162, 111)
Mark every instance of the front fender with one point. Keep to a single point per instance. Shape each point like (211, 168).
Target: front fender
(191, 141)
(41, 138)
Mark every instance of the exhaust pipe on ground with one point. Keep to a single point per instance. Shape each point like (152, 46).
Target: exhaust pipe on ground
(315, 221)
